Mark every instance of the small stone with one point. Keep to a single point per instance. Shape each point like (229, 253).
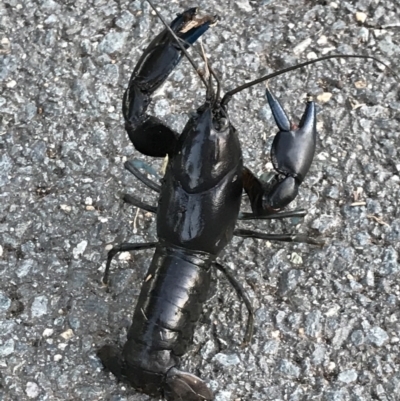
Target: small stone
(88, 201)
(223, 395)
(124, 256)
(318, 355)
(227, 359)
(348, 376)
(380, 391)
(361, 17)
(86, 46)
(5, 302)
(11, 84)
(324, 97)
(32, 390)
(369, 278)
(390, 265)
(244, 5)
(112, 42)
(323, 40)
(57, 357)
(79, 249)
(125, 21)
(39, 306)
(51, 19)
(357, 337)
(313, 325)
(377, 336)
(66, 208)
(7, 348)
(296, 259)
(288, 368)
(360, 84)
(24, 268)
(289, 281)
(302, 46)
(5, 46)
(275, 334)
(47, 332)
(162, 107)
(1, 251)
(38, 152)
(271, 347)
(387, 46)
(333, 192)
(67, 334)
(363, 34)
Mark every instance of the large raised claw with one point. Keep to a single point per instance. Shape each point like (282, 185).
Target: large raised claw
(292, 153)
(148, 134)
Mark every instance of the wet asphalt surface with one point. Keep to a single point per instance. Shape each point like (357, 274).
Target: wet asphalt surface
(327, 319)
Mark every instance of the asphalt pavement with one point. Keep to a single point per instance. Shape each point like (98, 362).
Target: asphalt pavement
(327, 318)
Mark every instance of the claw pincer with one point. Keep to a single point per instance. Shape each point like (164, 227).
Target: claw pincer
(147, 133)
(292, 153)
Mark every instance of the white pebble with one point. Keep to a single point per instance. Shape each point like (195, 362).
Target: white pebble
(125, 256)
(324, 97)
(302, 46)
(47, 332)
(67, 334)
(348, 376)
(79, 249)
(361, 17)
(11, 84)
(32, 390)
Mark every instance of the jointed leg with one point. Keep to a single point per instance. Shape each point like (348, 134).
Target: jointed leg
(125, 247)
(300, 238)
(243, 295)
(133, 167)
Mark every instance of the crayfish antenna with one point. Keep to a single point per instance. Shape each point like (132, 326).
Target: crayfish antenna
(228, 95)
(208, 74)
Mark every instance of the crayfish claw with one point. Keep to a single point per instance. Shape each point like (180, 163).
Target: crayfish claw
(292, 153)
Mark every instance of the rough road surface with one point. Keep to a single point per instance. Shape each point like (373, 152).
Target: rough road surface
(328, 320)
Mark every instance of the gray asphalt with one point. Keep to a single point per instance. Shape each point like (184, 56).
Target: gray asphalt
(327, 319)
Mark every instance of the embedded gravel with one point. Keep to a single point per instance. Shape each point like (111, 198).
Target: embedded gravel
(327, 319)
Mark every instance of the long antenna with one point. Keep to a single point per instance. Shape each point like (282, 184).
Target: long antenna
(178, 41)
(228, 96)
